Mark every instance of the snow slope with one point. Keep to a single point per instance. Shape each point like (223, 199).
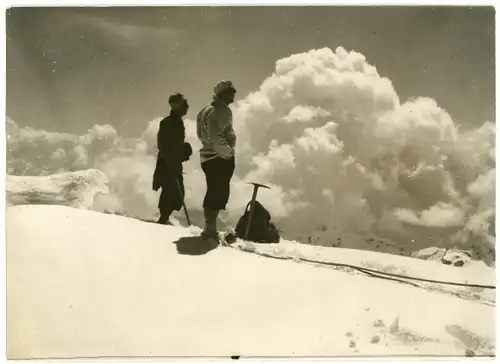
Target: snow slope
(476, 273)
(86, 284)
(76, 189)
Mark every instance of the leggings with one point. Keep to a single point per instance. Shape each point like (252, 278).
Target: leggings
(218, 174)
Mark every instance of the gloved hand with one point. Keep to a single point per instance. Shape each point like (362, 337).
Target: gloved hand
(187, 152)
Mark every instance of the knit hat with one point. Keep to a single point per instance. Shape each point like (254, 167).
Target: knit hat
(223, 86)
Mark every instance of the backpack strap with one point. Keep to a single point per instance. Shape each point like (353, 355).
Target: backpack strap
(247, 209)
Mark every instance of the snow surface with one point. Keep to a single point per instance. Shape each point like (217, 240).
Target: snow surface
(76, 189)
(86, 284)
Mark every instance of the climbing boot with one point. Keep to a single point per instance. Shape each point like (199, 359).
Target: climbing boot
(210, 230)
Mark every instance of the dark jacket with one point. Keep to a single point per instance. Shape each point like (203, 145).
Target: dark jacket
(172, 149)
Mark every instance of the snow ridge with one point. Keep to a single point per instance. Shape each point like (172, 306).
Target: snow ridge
(76, 189)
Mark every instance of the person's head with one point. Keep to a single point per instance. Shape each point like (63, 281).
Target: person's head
(178, 104)
(225, 91)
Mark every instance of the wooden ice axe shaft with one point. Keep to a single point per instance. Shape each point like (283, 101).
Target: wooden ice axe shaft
(252, 205)
(183, 202)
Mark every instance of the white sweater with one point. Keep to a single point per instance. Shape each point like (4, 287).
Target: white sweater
(215, 131)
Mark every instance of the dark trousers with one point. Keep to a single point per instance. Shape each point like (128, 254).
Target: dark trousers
(172, 193)
(218, 174)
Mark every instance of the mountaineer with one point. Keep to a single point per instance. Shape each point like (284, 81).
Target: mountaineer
(216, 133)
(173, 150)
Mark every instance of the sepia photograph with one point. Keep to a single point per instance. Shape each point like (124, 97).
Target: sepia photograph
(250, 181)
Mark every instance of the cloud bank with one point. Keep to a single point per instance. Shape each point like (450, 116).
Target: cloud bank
(340, 150)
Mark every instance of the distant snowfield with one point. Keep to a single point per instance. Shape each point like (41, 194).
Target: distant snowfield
(76, 189)
(86, 284)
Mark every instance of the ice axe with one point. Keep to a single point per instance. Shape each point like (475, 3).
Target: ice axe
(252, 205)
(183, 202)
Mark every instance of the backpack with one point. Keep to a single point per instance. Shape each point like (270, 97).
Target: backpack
(262, 230)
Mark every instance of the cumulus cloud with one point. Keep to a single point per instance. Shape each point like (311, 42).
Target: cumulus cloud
(440, 215)
(329, 130)
(331, 137)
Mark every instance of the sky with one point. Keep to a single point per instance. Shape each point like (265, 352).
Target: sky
(71, 68)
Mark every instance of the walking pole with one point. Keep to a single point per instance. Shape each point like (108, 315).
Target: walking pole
(254, 197)
(183, 202)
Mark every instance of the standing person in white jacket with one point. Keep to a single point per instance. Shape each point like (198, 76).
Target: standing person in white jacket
(216, 133)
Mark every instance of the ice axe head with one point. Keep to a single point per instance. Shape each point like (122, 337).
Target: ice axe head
(252, 204)
(257, 185)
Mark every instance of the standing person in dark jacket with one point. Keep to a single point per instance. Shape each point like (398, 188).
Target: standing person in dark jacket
(216, 133)
(172, 151)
